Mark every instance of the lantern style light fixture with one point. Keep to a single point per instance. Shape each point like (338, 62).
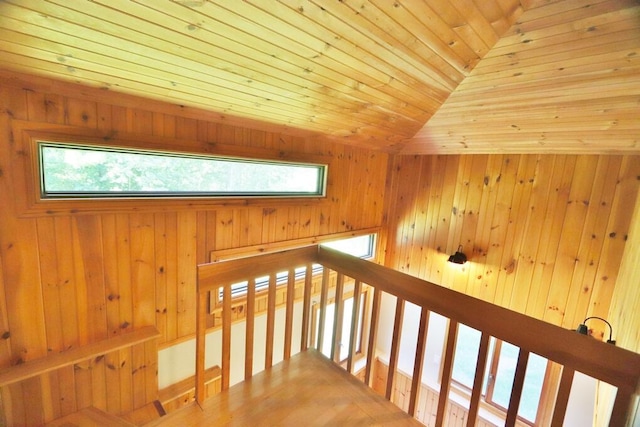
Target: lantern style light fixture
(459, 257)
(583, 330)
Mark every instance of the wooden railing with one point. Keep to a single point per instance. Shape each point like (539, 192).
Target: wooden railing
(574, 352)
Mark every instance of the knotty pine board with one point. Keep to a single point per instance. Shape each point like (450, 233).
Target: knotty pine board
(548, 243)
(71, 278)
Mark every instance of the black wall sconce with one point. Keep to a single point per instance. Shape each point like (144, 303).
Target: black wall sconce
(582, 328)
(459, 257)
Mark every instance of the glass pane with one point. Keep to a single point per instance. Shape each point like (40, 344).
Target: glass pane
(360, 324)
(487, 372)
(532, 389)
(466, 355)
(81, 171)
(346, 328)
(360, 246)
(533, 382)
(328, 329)
(505, 374)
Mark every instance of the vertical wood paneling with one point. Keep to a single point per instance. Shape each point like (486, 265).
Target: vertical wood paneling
(625, 310)
(70, 279)
(186, 273)
(544, 233)
(141, 227)
(617, 234)
(171, 270)
(573, 225)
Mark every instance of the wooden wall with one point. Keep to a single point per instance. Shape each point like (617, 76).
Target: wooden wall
(544, 233)
(68, 279)
(625, 312)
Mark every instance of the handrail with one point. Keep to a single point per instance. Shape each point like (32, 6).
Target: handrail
(609, 363)
(575, 352)
(55, 361)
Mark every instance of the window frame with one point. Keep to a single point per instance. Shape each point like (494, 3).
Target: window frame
(29, 203)
(42, 144)
(239, 294)
(366, 295)
(486, 399)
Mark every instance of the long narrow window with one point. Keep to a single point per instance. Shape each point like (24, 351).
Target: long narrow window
(79, 171)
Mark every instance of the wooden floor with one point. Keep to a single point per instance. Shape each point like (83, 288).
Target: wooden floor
(307, 390)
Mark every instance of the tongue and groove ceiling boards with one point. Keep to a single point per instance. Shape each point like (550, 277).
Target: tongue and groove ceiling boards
(402, 76)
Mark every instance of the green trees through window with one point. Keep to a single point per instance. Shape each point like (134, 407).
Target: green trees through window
(69, 170)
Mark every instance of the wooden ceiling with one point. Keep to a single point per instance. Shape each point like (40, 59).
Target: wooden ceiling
(403, 76)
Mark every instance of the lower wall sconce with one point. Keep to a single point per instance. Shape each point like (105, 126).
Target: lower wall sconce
(582, 328)
(459, 257)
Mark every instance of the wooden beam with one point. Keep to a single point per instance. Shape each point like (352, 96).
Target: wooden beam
(52, 362)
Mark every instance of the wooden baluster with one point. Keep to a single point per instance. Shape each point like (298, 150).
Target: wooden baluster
(288, 322)
(338, 316)
(421, 345)
(516, 390)
(271, 317)
(373, 334)
(395, 347)
(249, 333)
(306, 308)
(562, 398)
(226, 336)
(323, 306)
(446, 372)
(622, 409)
(478, 379)
(201, 328)
(355, 324)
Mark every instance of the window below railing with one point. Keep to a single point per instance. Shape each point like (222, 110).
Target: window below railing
(508, 356)
(363, 247)
(347, 323)
(499, 374)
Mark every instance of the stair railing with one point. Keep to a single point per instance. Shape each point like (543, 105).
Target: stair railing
(574, 352)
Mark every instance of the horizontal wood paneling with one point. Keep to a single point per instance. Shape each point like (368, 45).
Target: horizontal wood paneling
(69, 279)
(369, 73)
(544, 234)
(563, 78)
(404, 76)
